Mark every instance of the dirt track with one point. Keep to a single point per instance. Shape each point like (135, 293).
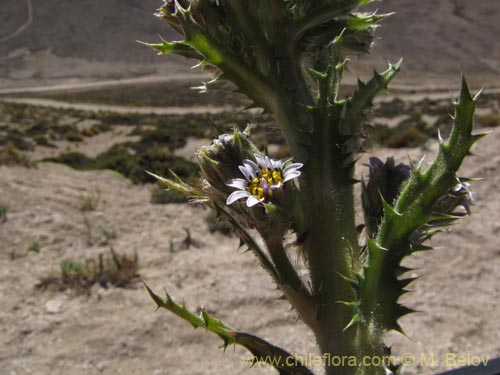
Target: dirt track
(116, 108)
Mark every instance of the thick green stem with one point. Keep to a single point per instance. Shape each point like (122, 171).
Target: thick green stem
(330, 247)
(286, 271)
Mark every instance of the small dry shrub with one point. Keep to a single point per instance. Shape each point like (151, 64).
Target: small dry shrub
(490, 120)
(10, 155)
(89, 202)
(80, 275)
(3, 212)
(33, 247)
(74, 136)
(409, 137)
(217, 225)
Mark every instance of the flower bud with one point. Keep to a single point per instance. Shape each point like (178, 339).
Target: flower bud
(220, 161)
(385, 181)
(458, 196)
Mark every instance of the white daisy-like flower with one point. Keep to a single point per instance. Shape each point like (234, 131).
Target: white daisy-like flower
(261, 179)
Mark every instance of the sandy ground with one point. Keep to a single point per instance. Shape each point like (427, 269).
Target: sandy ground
(117, 331)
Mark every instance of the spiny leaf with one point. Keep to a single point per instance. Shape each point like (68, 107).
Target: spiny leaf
(360, 21)
(356, 319)
(178, 185)
(179, 310)
(389, 210)
(179, 48)
(363, 97)
(426, 202)
(261, 349)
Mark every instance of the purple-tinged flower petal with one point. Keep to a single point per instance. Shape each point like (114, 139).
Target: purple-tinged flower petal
(261, 162)
(238, 194)
(238, 183)
(269, 163)
(251, 167)
(264, 162)
(247, 172)
(280, 164)
(291, 175)
(265, 186)
(294, 166)
(291, 171)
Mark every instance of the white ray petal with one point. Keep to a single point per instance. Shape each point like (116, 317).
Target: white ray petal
(291, 175)
(252, 201)
(235, 195)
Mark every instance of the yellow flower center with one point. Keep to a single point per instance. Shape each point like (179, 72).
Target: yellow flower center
(272, 177)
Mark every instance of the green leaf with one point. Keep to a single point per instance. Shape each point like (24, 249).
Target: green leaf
(180, 48)
(413, 219)
(360, 21)
(179, 185)
(362, 99)
(262, 350)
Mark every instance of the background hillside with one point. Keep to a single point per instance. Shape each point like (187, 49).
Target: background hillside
(61, 39)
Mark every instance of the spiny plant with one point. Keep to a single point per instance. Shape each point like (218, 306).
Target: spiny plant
(288, 58)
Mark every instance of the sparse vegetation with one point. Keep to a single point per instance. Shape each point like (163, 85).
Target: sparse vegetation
(489, 120)
(97, 234)
(391, 109)
(10, 155)
(74, 136)
(125, 159)
(88, 231)
(153, 94)
(106, 236)
(115, 269)
(410, 132)
(217, 225)
(409, 136)
(3, 212)
(33, 247)
(89, 202)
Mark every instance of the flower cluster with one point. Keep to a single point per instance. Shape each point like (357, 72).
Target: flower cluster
(262, 178)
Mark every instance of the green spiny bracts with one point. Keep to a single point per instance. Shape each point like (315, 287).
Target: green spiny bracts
(220, 161)
(426, 199)
(384, 184)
